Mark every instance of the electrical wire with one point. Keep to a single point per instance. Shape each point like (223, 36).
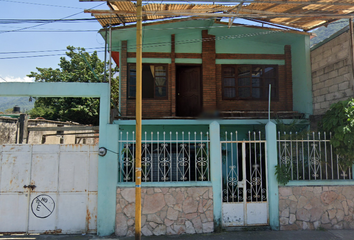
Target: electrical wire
(40, 4)
(57, 50)
(196, 40)
(145, 29)
(16, 30)
(21, 21)
(58, 31)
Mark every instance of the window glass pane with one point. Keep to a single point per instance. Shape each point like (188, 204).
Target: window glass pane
(256, 82)
(244, 92)
(257, 71)
(229, 92)
(228, 72)
(160, 81)
(148, 82)
(273, 93)
(256, 92)
(132, 91)
(132, 70)
(160, 71)
(132, 75)
(160, 92)
(243, 82)
(269, 72)
(229, 82)
(244, 71)
(132, 80)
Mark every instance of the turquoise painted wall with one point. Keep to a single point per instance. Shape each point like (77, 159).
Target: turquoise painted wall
(245, 45)
(167, 129)
(160, 43)
(151, 60)
(189, 42)
(302, 84)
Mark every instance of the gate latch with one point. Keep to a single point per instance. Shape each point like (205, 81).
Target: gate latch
(240, 184)
(30, 186)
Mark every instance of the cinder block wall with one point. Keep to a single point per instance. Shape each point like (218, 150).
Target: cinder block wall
(332, 77)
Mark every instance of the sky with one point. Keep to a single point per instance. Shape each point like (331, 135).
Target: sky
(15, 66)
(25, 46)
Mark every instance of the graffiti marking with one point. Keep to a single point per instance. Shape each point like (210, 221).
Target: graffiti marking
(42, 206)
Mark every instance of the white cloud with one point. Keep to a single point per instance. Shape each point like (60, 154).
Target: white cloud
(18, 79)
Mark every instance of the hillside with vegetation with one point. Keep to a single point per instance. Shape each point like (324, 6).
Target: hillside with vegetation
(325, 32)
(10, 102)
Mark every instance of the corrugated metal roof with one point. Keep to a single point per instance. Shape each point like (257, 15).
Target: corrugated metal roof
(303, 14)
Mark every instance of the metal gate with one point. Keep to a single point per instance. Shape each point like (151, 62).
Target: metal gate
(48, 188)
(244, 181)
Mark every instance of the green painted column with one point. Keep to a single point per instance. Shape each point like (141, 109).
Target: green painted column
(107, 170)
(107, 181)
(272, 161)
(216, 173)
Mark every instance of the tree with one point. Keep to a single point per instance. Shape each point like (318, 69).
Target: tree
(80, 67)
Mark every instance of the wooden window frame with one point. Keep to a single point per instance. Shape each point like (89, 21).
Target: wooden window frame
(275, 87)
(131, 85)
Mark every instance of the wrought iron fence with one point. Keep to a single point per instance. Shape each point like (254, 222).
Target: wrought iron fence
(244, 168)
(310, 157)
(166, 157)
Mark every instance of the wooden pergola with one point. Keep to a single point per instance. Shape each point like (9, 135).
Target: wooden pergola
(301, 14)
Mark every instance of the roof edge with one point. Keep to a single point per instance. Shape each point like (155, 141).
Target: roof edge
(334, 35)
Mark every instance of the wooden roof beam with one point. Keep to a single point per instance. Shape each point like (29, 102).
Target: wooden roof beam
(201, 14)
(120, 18)
(339, 3)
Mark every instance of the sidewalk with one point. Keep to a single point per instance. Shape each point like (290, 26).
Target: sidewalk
(245, 235)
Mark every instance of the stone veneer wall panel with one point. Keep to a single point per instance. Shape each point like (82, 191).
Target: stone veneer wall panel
(328, 207)
(166, 211)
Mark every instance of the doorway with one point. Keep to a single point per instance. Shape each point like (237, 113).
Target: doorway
(188, 91)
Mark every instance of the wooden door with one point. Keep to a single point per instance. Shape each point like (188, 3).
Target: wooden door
(188, 91)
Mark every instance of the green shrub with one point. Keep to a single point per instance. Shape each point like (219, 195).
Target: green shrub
(339, 120)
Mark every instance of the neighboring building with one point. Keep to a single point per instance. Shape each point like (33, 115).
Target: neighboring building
(332, 72)
(9, 132)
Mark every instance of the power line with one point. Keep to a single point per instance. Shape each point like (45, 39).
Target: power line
(196, 40)
(3, 79)
(41, 4)
(145, 29)
(56, 50)
(16, 30)
(47, 55)
(21, 21)
(54, 31)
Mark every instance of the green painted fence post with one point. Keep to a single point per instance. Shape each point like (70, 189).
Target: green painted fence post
(272, 161)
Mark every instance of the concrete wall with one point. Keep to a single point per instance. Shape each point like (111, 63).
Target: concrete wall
(308, 207)
(9, 128)
(166, 211)
(332, 78)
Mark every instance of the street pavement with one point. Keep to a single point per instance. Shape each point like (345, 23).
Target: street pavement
(238, 235)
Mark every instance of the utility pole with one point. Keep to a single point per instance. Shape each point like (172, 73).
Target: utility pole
(138, 115)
